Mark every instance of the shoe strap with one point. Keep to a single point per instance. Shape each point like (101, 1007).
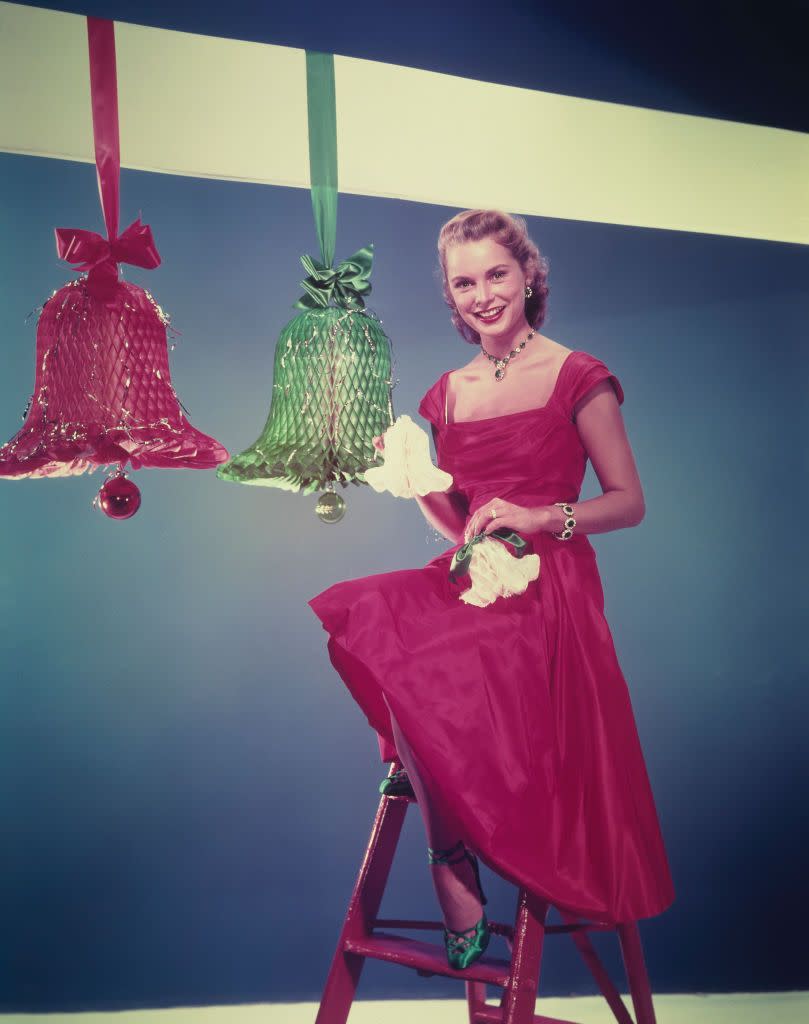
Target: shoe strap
(446, 856)
(459, 942)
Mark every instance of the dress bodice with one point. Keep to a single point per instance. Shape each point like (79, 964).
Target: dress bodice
(530, 457)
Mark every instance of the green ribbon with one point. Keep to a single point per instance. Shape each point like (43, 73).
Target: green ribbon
(322, 113)
(463, 556)
(343, 285)
(346, 284)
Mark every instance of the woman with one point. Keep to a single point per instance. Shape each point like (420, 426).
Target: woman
(513, 721)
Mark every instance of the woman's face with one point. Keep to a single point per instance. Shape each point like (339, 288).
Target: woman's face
(488, 287)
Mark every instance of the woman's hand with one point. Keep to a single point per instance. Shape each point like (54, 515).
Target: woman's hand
(523, 520)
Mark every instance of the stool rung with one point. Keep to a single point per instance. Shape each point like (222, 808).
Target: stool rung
(505, 930)
(495, 928)
(421, 926)
(494, 1015)
(422, 956)
(579, 926)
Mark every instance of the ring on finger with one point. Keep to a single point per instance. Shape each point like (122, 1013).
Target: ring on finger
(493, 513)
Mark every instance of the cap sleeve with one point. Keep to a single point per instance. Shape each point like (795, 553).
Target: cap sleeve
(587, 373)
(430, 405)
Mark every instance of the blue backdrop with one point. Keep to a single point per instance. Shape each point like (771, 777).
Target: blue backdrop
(185, 785)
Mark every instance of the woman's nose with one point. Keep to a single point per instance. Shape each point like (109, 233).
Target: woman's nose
(483, 293)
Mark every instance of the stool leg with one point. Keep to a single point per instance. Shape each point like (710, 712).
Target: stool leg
(636, 974)
(475, 998)
(363, 908)
(598, 971)
(519, 999)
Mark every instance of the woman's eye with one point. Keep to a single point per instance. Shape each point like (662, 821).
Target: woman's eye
(499, 273)
(461, 284)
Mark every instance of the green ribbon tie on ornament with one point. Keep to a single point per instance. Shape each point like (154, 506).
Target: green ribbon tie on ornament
(343, 285)
(463, 556)
(321, 109)
(346, 284)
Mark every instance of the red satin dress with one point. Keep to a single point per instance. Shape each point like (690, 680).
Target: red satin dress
(518, 713)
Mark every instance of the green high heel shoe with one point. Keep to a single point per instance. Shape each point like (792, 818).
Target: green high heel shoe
(463, 947)
(397, 784)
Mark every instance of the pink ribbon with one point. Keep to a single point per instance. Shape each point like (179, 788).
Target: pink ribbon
(95, 254)
(89, 249)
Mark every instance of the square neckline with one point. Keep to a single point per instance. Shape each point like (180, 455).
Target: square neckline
(503, 415)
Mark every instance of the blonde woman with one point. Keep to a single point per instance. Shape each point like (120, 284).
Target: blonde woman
(512, 720)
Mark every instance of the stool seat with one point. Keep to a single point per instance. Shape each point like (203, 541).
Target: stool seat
(426, 957)
(361, 939)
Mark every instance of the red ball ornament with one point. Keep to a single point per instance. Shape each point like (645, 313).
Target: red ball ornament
(119, 498)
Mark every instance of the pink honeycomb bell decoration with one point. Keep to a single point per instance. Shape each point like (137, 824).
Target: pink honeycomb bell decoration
(102, 390)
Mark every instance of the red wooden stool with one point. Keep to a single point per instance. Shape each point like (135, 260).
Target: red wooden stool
(518, 977)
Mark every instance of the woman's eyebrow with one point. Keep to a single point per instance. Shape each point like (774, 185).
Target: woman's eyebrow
(464, 277)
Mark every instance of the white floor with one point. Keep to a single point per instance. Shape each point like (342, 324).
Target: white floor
(735, 1008)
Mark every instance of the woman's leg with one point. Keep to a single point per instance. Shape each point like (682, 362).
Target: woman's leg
(455, 884)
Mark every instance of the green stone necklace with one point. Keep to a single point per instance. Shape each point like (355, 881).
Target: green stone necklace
(502, 363)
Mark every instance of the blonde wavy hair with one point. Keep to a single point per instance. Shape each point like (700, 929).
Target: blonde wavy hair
(509, 231)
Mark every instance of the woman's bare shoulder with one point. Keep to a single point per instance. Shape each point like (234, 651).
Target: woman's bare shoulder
(469, 371)
(554, 347)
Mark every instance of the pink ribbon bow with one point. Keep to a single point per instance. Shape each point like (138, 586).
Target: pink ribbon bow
(135, 245)
(87, 250)
(100, 256)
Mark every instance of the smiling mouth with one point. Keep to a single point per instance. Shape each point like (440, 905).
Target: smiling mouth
(490, 315)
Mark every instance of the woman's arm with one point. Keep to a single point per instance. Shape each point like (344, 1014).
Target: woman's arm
(601, 429)
(447, 512)
(603, 434)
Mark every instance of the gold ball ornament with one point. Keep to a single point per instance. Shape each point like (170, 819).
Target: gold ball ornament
(330, 507)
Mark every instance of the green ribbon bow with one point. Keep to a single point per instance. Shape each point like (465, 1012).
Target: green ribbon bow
(344, 285)
(463, 556)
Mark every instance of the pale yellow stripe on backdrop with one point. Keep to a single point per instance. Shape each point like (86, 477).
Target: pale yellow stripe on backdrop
(44, 84)
(204, 106)
(189, 104)
(442, 139)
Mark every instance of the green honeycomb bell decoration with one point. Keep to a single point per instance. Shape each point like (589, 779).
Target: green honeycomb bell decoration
(330, 397)
(331, 391)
